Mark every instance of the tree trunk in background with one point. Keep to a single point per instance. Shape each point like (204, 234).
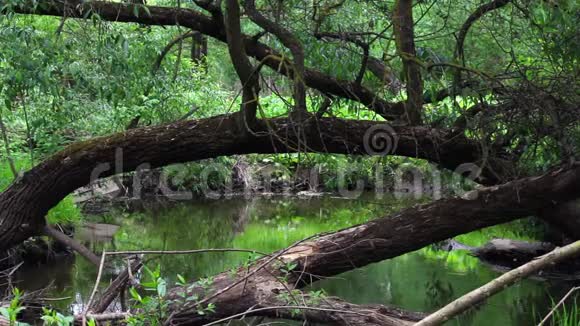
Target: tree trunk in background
(199, 49)
(403, 29)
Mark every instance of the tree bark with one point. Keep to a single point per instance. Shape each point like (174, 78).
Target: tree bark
(565, 218)
(403, 29)
(247, 74)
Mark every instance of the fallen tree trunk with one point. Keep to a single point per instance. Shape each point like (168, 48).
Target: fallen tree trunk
(25, 203)
(329, 310)
(422, 225)
(70, 242)
(267, 282)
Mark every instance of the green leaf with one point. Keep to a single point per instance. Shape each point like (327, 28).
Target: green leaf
(161, 287)
(135, 295)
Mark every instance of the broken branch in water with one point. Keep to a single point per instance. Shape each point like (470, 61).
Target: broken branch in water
(497, 285)
(115, 288)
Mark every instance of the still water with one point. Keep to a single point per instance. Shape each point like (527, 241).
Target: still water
(423, 280)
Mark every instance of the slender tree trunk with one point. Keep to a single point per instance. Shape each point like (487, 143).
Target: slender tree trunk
(199, 49)
(403, 26)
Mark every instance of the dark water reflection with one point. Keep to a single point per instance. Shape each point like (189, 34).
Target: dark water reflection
(421, 281)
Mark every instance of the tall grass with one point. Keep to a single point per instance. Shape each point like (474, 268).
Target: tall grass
(567, 315)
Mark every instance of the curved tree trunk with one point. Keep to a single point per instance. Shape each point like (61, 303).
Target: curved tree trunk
(25, 203)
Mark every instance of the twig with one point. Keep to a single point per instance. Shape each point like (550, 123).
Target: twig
(97, 281)
(9, 275)
(561, 302)
(182, 252)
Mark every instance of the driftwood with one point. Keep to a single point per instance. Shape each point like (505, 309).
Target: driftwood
(511, 253)
(506, 254)
(115, 288)
(70, 242)
(474, 297)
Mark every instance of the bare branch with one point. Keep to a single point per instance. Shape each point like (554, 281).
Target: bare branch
(477, 14)
(474, 297)
(293, 44)
(241, 62)
(168, 48)
(74, 244)
(560, 303)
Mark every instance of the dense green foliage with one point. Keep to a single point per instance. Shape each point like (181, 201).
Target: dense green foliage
(62, 83)
(64, 80)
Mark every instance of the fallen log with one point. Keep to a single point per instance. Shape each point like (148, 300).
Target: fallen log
(70, 242)
(508, 252)
(270, 279)
(24, 205)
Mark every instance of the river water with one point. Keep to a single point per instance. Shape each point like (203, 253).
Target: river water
(423, 280)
